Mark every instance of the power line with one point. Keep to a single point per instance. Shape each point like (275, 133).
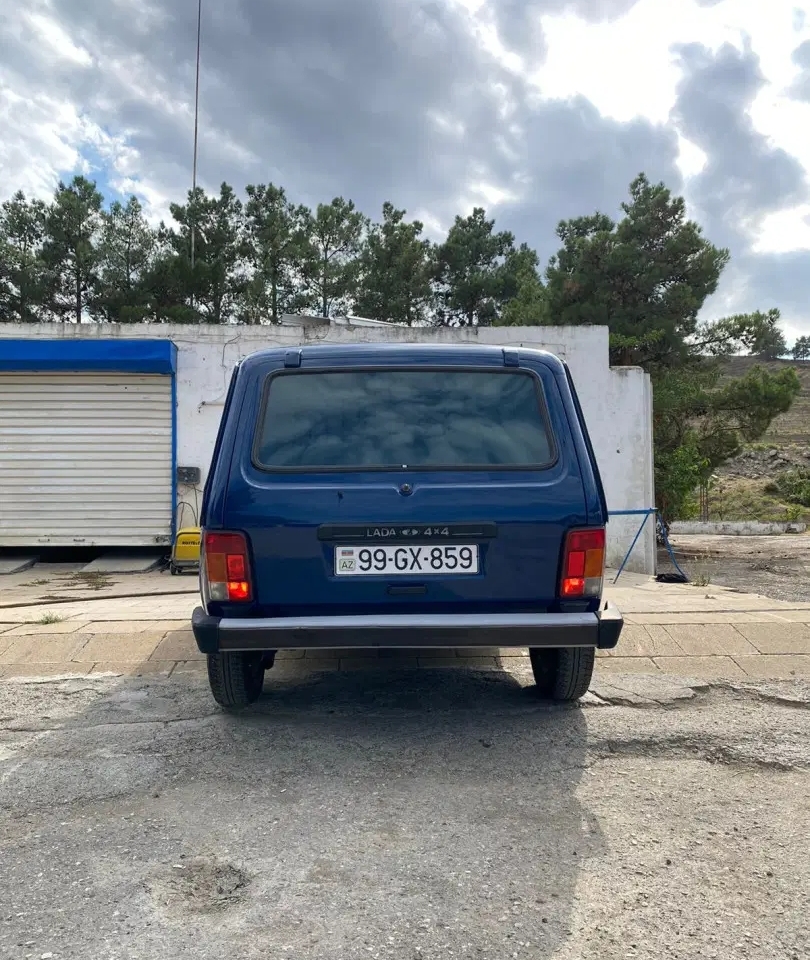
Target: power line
(196, 125)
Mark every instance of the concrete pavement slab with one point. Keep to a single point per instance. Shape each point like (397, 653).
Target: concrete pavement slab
(55, 648)
(715, 639)
(641, 689)
(123, 668)
(791, 616)
(764, 666)
(686, 616)
(132, 626)
(119, 647)
(778, 637)
(177, 645)
(624, 665)
(44, 629)
(701, 668)
(32, 669)
(645, 641)
(131, 609)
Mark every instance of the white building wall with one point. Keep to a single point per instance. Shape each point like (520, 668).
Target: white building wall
(617, 402)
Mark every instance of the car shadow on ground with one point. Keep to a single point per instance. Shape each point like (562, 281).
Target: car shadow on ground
(390, 813)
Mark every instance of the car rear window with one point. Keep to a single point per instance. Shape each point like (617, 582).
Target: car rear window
(429, 419)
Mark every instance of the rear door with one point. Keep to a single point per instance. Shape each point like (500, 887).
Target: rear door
(442, 485)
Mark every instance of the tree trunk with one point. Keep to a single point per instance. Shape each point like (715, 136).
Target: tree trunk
(78, 295)
(324, 299)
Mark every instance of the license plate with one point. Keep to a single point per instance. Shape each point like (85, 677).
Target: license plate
(417, 560)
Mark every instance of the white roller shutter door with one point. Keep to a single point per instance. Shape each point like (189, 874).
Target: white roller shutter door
(85, 459)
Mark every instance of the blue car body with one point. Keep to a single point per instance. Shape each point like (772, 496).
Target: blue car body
(296, 519)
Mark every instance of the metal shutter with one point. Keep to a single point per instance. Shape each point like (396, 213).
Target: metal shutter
(85, 459)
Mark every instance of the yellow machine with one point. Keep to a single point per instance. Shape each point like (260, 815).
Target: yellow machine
(186, 551)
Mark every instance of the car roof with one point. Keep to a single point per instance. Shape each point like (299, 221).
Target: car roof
(405, 353)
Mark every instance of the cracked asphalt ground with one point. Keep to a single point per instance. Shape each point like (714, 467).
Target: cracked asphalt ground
(415, 815)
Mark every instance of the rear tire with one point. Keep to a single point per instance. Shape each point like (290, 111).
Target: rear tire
(563, 675)
(236, 679)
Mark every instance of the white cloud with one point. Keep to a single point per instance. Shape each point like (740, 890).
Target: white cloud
(625, 68)
(622, 66)
(784, 231)
(691, 159)
(54, 39)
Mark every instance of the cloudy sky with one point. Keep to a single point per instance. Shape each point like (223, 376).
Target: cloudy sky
(537, 109)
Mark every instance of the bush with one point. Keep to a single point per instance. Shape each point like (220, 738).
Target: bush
(794, 485)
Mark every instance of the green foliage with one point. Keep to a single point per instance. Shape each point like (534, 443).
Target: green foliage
(23, 281)
(395, 270)
(474, 269)
(701, 421)
(334, 238)
(212, 285)
(125, 251)
(794, 486)
(70, 250)
(646, 277)
(527, 303)
(276, 249)
(801, 349)
(754, 334)
(165, 282)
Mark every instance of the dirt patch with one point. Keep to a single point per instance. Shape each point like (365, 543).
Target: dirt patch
(706, 749)
(88, 581)
(777, 567)
(201, 885)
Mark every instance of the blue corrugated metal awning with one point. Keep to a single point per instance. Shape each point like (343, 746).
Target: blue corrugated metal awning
(102, 356)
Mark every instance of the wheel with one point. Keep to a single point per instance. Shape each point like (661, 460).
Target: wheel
(563, 674)
(236, 679)
(173, 570)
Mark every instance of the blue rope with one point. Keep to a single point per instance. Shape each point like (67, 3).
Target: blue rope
(660, 528)
(663, 531)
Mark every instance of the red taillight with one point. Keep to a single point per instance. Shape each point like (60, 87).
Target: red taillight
(227, 568)
(583, 564)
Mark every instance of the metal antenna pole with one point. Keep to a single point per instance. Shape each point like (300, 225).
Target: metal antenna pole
(196, 124)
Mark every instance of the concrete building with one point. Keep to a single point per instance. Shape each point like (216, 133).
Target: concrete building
(106, 431)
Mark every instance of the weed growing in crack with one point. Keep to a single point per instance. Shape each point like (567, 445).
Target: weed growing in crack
(48, 618)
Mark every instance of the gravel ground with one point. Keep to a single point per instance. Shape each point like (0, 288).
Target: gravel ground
(777, 567)
(433, 814)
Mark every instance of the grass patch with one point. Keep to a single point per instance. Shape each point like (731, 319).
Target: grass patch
(48, 618)
(737, 498)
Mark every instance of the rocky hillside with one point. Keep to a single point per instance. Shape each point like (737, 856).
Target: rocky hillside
(765, 460)
(792, 427)
(746, 488)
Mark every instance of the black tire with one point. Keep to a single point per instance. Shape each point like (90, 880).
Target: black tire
(563, 675)
(236, 679)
